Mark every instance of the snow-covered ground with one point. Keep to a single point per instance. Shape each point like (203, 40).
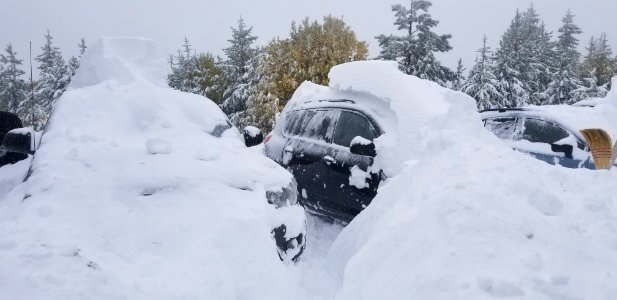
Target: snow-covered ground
(462, 215)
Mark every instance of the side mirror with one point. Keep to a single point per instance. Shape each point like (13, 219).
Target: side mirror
(362, 146)
(20, 140)
(566, 149)
(252, 136)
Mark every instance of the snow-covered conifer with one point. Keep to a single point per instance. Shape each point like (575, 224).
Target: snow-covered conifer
(13, 87)
(565, 79)
(415, 50)
(239, 69)
(54, 75)
(481, 83)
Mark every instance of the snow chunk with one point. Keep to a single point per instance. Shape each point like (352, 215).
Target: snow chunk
(158, 146)
(358, 178)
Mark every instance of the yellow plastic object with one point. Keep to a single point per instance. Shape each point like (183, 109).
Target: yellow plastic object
(601, 147)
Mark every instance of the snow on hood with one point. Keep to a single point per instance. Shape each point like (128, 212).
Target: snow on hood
(464, 216)
(133, 194)
(123, 60)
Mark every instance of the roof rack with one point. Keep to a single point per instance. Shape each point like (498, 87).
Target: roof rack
(338, 101)
(505, 109)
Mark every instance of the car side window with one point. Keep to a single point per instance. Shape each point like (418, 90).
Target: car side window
(503, 128)
(296, 121)
(351, 125)
(318, 127)
(540, 131)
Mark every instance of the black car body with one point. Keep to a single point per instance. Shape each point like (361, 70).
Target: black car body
(314, 143)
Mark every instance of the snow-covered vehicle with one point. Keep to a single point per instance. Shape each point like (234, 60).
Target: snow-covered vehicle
(321, 143)
(541, 135)
(8, 122)
(135, 185)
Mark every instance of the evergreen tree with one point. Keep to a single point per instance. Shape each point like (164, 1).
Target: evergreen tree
(459, 78)
(510, 66)
(599, 58)
(565, 79)
(82, 47)
(54, 75)
(591, 88)
(239, 70)
(209, 78)
(3, 105)
(415, 51)
(13, 91)
(74, 61)
(482, 83)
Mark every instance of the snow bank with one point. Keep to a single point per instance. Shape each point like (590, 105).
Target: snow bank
(463, 216)
(100, 217)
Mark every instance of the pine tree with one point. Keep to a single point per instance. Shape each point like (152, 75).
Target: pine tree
(459, 78)
(54, 75)
(209, 78)
(415, 51)
(74, 61)
(565, 79)
(510, 66)
(13, 91)
(82, 47)
(482, 83)
(591, 88)
(239, 70)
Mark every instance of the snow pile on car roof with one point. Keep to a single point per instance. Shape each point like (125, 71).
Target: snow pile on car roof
(406, 107)
(133, 196)
(464, 216)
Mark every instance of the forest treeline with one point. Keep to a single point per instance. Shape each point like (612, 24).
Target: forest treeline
(531, 65)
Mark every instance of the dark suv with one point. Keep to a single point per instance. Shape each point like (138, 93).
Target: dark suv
(314, 142)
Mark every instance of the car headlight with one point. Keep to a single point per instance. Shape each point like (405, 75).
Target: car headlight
(287, 196)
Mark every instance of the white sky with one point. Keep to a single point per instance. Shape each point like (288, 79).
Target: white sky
(206, 23)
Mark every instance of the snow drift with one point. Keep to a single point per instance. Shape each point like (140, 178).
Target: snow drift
(133, 196)
(463, 216)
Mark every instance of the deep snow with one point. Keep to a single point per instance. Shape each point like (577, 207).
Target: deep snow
(462, 216)
(132, 197)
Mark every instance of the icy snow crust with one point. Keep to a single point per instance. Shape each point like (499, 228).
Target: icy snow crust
(463, 216)
(131, 197)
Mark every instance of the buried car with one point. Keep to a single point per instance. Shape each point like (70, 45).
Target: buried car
(8, 122)
(548, 139)
(322, 143)
(133, 184)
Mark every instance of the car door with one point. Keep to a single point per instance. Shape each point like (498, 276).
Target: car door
(307, 154)
(544, 140)
(351, 195)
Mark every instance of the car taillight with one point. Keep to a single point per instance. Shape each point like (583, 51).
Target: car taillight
(267, 139)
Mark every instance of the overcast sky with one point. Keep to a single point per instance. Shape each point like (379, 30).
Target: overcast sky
(206, 23)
